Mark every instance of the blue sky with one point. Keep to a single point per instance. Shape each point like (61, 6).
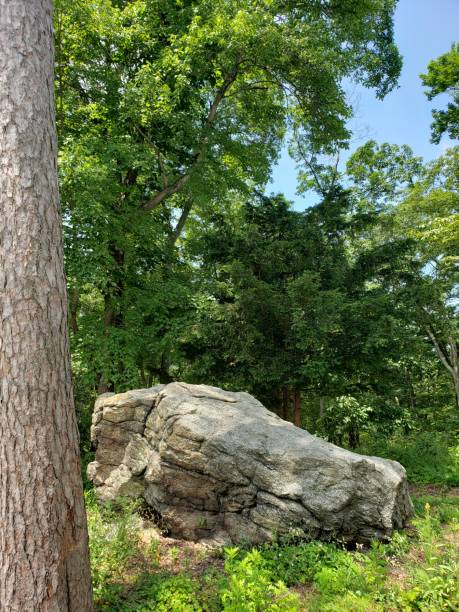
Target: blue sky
(424, 29)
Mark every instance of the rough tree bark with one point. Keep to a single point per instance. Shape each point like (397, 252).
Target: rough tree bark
(43, 536)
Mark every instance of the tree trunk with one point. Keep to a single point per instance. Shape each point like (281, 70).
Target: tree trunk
(297, 408)
(321, 407)
(285, 404)
(74, 307)
(178, 229)
(43, 537)
(112, 318)
(163, 373)
(411, 393)
(354, 437)
(454, 358)
(449, 357)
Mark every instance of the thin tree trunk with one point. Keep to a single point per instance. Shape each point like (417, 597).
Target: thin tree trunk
(43, 537)
(178, 229)
(449, 357)
(297, 408)
(103, 385)
(354, 437)
(322, 407)
(112, 318)
(411, 393)
(164, 377)
(454, 358)
(74, 307)
(277, 402)
(285, 402)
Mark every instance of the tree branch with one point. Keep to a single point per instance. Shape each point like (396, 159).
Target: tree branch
(440, 353)
(454, 353)
(182, 180)
(175, 235)
(159, 156)
(160, 196)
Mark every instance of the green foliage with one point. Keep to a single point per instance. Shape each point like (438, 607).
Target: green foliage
(350, 601)
(360, 581)
(286, 305)
(332, 570)
(428, 213)
(174, 594)
(416, 570)
(298, 563)
(433, 585)
(346, 576)
(340, 577)
(419, 204)
(161, 591)
(428, 457)
(113, 535)
(251, 586)
(345, 415)
(178, 106)
(381, 173)
(170, 115)
(443, 510)
(252, 267)
(398, 546)
(443, 77)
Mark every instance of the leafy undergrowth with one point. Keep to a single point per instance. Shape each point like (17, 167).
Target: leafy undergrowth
(428, 457)
(135, 568)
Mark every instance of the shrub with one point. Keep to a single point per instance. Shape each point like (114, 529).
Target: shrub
(176, 594)
(250, 586)
(345, 415)
(297, 564)
(162, 593)
(428, 457)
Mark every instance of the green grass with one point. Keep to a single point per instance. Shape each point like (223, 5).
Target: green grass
(417, 570)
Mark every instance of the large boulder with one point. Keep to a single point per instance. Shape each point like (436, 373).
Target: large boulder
(218, 465)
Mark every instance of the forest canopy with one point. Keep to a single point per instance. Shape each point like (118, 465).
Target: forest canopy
(170, 117)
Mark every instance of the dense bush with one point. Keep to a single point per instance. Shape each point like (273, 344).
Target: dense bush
(428, 457)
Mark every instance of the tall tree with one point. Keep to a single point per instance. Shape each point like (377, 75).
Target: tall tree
(287, 306)
(429, 214)
(422, 202)
(443, 77)
(43, 540)
(165, 107)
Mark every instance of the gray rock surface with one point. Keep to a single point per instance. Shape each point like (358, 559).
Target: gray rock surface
(218, 465)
